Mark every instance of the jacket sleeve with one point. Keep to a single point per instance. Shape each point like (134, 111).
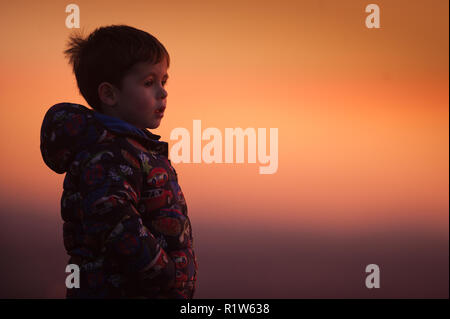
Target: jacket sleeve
(110, 188)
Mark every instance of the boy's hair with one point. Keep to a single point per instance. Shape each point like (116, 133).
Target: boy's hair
(107, 55)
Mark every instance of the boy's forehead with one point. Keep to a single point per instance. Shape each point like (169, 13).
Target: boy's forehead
(143, 69)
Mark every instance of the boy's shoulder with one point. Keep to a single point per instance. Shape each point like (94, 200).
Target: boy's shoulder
(71, 132)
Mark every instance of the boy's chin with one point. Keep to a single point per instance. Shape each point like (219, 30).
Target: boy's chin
(153, 125)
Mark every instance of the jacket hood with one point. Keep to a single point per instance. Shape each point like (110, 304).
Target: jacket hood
(69, 128)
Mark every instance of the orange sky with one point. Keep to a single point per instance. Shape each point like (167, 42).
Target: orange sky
(362, 113)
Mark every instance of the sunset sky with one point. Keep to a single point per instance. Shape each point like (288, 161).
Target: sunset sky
(363, 134)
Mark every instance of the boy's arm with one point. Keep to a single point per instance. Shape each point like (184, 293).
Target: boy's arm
(110, 188)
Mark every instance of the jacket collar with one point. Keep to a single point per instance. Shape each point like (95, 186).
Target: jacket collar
(121, 127)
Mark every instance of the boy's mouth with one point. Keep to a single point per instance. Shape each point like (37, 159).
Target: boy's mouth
(160, 111)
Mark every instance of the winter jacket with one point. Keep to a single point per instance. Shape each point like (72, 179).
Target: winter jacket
(125, 217)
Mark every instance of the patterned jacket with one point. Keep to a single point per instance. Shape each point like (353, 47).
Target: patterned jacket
(125, 217)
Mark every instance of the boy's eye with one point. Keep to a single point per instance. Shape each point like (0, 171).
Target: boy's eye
(150, 83)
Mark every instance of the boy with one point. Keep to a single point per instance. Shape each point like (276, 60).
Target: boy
(125, 217)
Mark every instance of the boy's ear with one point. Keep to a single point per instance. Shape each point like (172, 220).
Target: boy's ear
(107, 94)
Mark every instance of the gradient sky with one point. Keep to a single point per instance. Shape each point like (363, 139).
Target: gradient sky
(363, 128)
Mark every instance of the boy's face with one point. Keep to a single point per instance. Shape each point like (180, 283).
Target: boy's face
(142, 100)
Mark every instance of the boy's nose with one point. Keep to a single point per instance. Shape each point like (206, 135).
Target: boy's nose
(163, 94)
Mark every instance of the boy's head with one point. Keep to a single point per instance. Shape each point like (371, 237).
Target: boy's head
(121, 71)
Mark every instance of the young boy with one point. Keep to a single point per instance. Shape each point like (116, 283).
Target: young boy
(125, 217)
